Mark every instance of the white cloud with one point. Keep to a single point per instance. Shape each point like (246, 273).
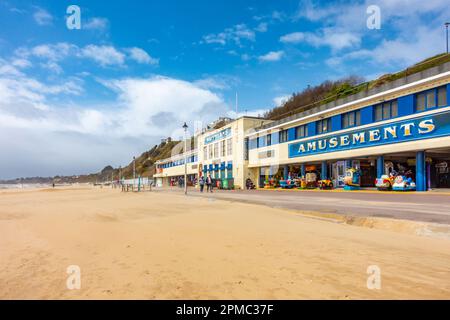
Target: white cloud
(294, 37)
(217, 82)
(21, 63)
(326, 37)
(141, 56)
(234, 34)
(96, 23)
(262, 27)
(66, 139)
(413, 36)
(42, 17)
(52, 52)
(424, 43)
(272, 56)
(52, 67)
(280, 100)
(105, 55)
(7, 68)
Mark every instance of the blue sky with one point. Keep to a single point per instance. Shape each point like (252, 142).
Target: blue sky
(72, 101)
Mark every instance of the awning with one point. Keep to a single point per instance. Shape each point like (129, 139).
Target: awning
(222, 166)
(230, 166)
(216, 167)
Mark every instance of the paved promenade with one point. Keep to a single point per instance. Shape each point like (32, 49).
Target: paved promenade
(427, 207)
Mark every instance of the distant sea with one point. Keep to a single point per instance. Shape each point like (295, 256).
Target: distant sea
(24, 185)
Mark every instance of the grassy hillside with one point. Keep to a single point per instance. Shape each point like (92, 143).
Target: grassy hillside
(332, 90)
(145, 163)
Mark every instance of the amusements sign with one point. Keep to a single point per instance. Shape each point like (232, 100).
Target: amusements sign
(431, 126)
(218, 136)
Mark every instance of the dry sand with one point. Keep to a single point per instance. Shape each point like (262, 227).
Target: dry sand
(159, 246)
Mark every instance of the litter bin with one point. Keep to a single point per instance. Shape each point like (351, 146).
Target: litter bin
(225, 184)
(218, 183)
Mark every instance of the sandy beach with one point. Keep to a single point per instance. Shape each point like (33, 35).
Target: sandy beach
(167, 246)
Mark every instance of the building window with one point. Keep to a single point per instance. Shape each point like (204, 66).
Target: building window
(268, 140)
(323, 126)
(222, 148)
(229, 147)
(246, 147)
(386, 110)
(283, 136)
(210, 151)
(351, 119)
(205, 153)
(216, 150)
(442, 96)
(301, 132)
(436, 97)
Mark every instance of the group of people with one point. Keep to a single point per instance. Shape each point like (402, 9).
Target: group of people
(208, 181)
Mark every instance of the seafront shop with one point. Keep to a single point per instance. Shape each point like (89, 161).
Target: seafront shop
(221, 174)
(395, 137)
(169, 172)
(404, 148)
(223, 153)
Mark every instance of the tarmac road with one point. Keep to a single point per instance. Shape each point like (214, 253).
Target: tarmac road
(427, 207)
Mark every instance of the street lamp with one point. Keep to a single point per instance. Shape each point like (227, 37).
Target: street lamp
(134, 171)
(185, 127)
(446, 32)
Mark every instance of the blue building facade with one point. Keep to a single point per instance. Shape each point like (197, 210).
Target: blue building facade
(404, 129)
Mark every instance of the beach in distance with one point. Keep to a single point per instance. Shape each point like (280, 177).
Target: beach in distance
(161, 245)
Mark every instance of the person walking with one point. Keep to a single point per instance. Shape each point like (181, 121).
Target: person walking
(201, 181)
(209, 184)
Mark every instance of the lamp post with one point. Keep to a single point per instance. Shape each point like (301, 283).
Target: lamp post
(185, 127)
(134, 171)
(446, 32)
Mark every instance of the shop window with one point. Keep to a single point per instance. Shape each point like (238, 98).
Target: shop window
(301, 132)
(323, 126)
(283, 136)
(351, 119)
(229, 174)
(386, 110)
(436, 97)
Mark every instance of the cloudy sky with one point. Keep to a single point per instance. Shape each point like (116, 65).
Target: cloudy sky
(73, 101)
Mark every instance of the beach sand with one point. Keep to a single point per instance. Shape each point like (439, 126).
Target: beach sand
(168, 246)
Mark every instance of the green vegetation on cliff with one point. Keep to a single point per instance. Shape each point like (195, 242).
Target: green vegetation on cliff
(332, 90)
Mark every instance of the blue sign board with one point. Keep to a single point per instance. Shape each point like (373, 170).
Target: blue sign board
(218, 136)
(425, 127)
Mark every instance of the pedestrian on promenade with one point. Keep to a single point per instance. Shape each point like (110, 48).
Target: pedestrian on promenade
(209, 184)
(201, 181)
